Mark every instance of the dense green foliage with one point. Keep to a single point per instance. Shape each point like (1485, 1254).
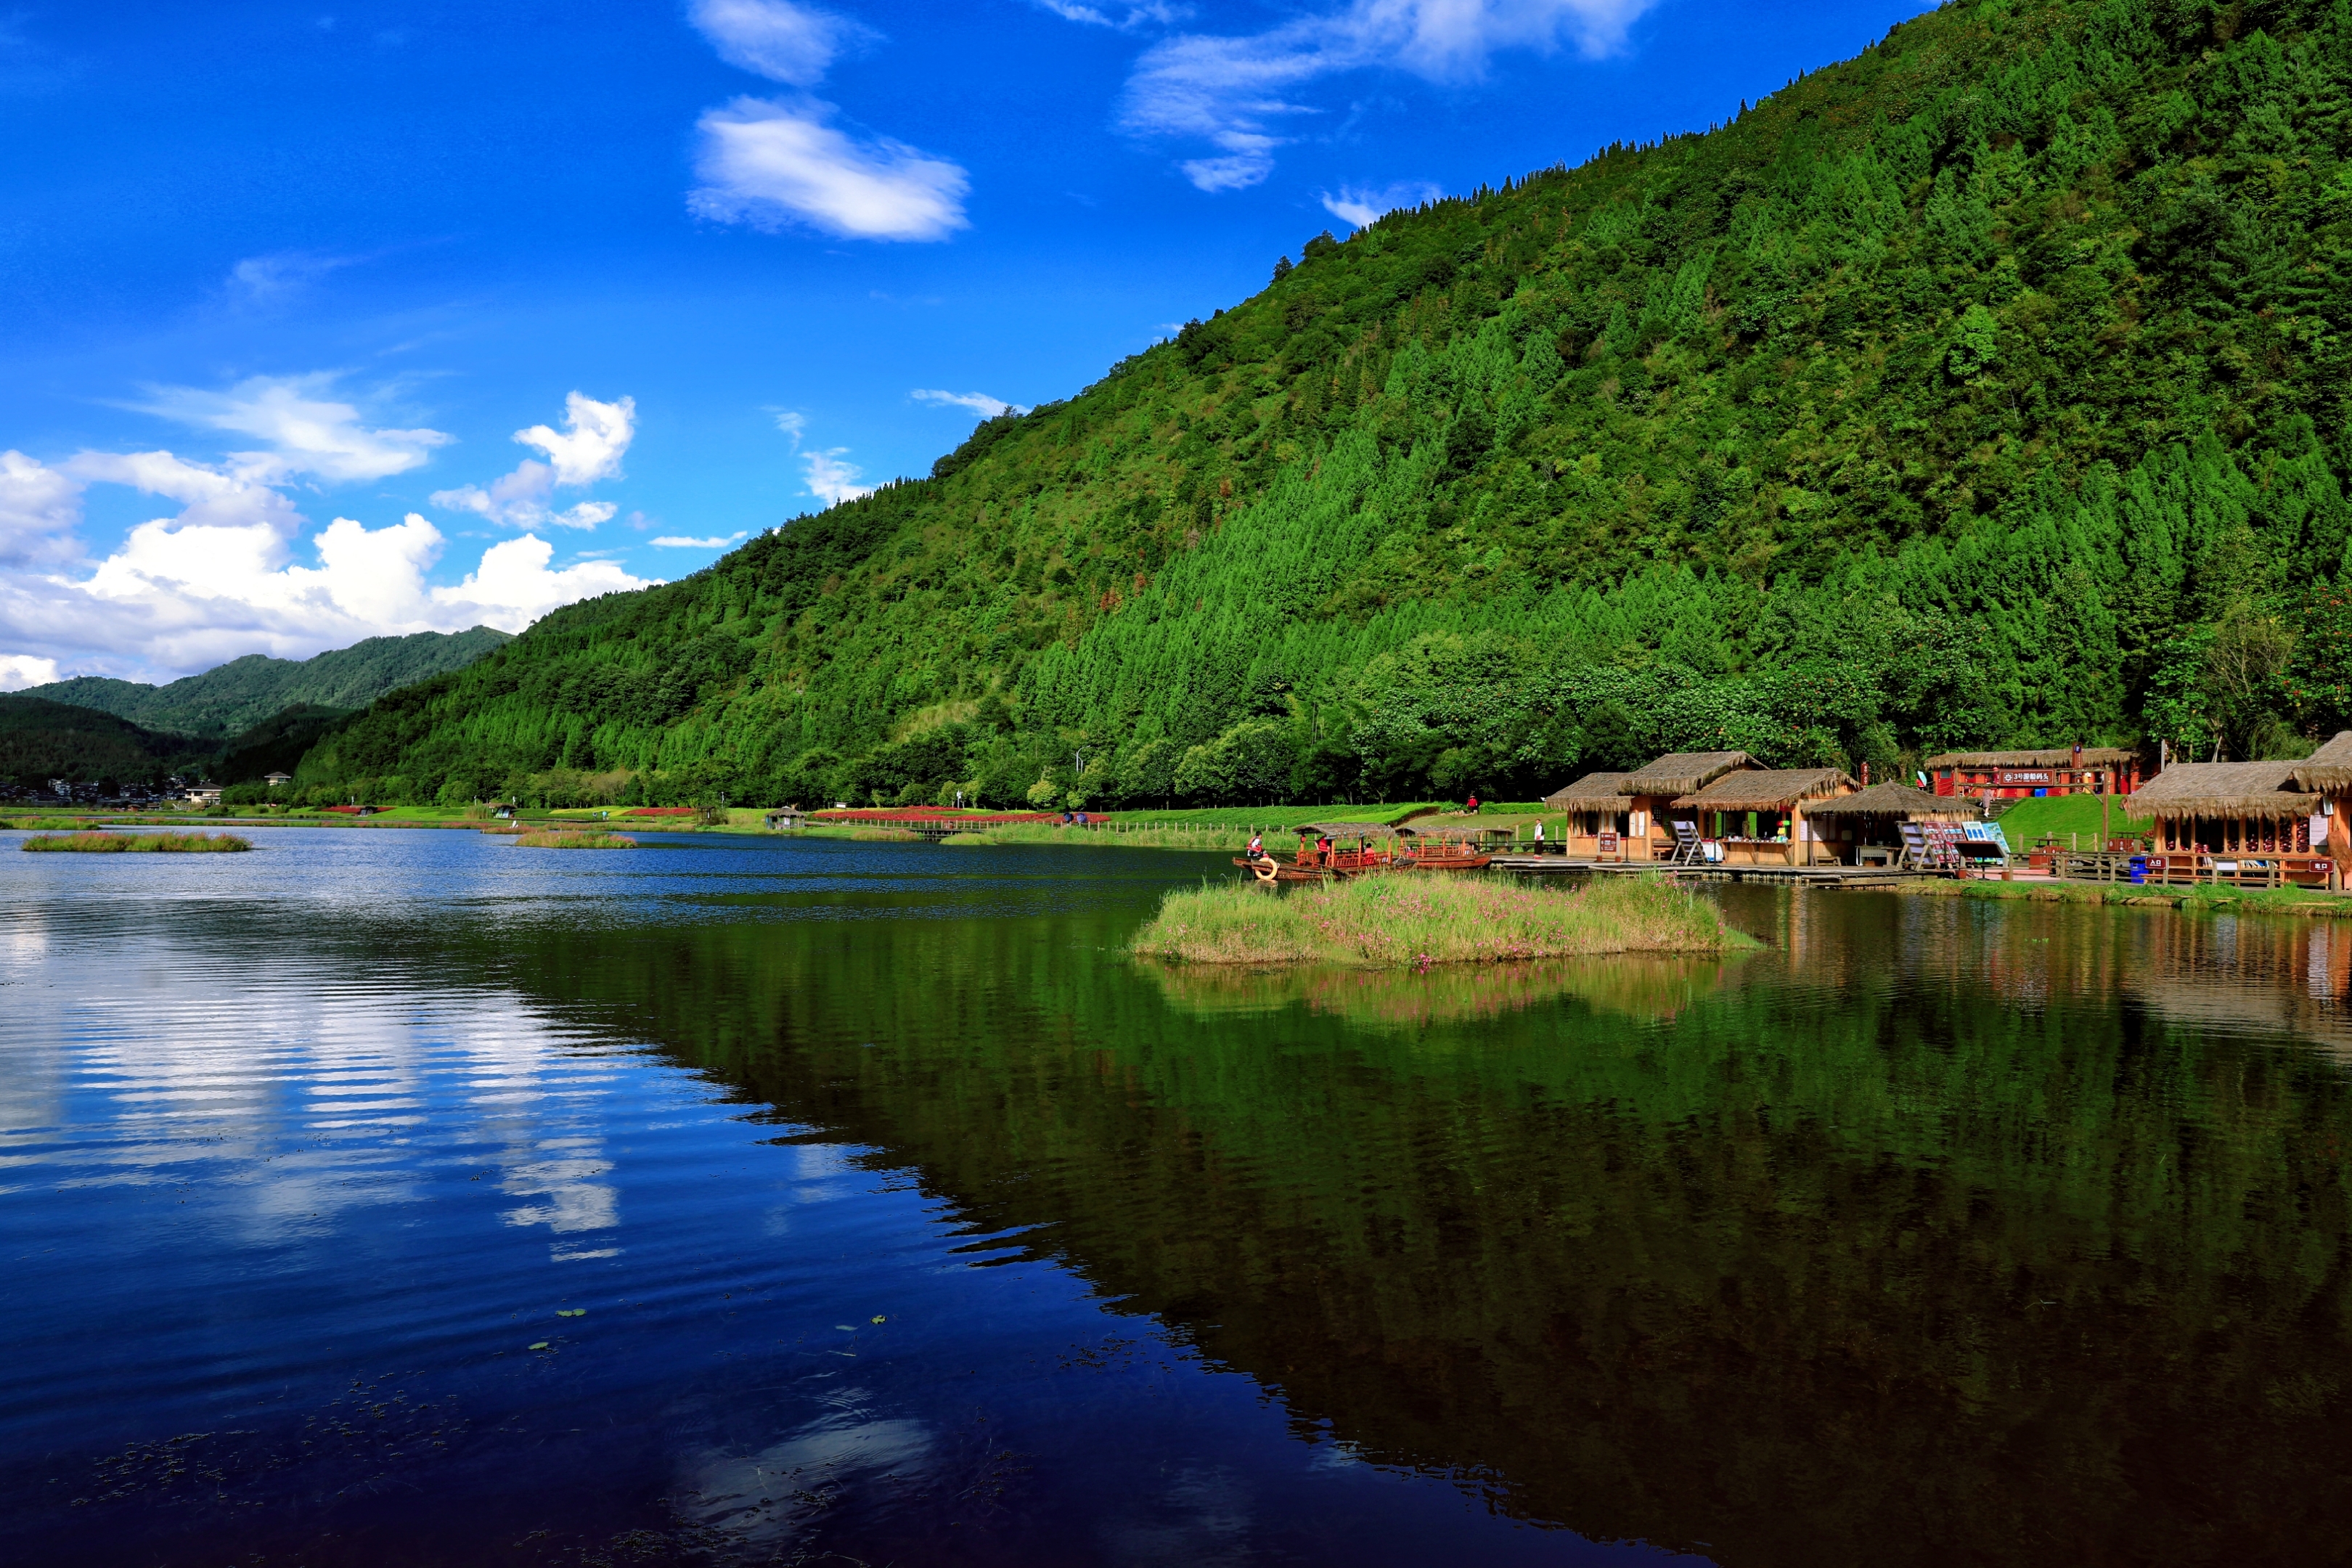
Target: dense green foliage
(1988, 388)
(40, 740)
(242, 693)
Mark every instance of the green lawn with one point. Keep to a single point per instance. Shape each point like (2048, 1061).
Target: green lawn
(2026, 823)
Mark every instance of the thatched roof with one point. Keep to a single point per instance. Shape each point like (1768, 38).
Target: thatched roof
(1894, 800)
(2049, 757)
(1594, 791)
(1756, 789)
(2328, 768)
(1679, 773)
(2224, 789)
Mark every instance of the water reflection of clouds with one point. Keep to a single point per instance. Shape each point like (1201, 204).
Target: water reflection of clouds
(294, 1094)
(763, 1501)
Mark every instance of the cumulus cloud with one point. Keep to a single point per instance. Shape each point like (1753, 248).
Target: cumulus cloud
(831, 480)
(1234, 92)
(307, 430)
(39, 508)
(1358, 206)
(795, 45)
(771, 164)
(590, 447)
(182, 595)
(679, 541)
(980, 403)
(17, 671)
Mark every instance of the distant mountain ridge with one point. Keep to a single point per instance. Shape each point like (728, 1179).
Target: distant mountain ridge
(234, 696)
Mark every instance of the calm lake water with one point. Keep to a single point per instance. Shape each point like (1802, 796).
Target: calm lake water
(407, 1197)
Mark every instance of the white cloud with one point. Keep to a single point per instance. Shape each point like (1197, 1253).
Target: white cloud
(774, 38)
(594, 438)
(265, 279)
(980, 403)
(17, 671)
(1151, 14)
(832, 482)
(769, 163)
(39, 507)
(1232, 91)
(180, 596)
(677, 541)
(307, 432)
(792, 424)
(1359, 206)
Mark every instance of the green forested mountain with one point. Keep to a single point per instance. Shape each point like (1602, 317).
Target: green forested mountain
(40, 740)
(1990, 387)
(245, 691)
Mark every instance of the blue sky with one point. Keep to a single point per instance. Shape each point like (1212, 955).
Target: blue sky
(328, 320)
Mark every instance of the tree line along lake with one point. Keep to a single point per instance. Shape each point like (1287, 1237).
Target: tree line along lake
(409, 1197)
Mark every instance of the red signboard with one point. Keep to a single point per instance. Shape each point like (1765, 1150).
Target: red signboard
(1608, 844)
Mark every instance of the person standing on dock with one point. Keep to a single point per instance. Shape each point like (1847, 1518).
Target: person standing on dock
(1539, 839)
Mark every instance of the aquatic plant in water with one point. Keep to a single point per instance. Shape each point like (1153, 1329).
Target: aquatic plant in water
(561, 838)
(1417, 920)
(100, 842)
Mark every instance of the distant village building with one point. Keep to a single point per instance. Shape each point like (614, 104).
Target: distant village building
(275, 780)
(2010, 775)
(203, 794)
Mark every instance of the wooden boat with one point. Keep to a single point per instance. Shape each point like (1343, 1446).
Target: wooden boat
(1441, 849)
(1357, 849)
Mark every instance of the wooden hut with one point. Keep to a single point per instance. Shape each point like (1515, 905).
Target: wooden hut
(2213, 818)
(2009, 776)
(1761, 817)
(1654, 787)
(1852, 827)
(1599, 813)
(2327, 774)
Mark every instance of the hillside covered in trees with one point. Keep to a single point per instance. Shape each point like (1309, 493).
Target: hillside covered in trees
(1992, 387)
(234, 696)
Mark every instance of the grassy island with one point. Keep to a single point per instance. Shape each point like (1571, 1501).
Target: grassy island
(139, 843)
(561, 838)
(1416, 919)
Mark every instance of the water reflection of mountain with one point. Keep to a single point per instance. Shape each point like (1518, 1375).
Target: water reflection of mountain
(1941, 1234)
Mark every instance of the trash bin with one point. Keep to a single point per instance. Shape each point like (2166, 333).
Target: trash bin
(2138, 870)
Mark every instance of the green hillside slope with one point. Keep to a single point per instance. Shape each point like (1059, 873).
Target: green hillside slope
(245, 691)
(40, 740)
(1990, 388)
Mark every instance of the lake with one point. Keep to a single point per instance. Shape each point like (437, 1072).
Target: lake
(409, 1197)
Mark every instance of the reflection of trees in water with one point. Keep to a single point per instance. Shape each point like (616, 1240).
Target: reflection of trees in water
(1924, 1238)
(1632, 986)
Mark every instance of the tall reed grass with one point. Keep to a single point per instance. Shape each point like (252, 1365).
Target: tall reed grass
(139, 843)
(563, 838)
(1415, 919)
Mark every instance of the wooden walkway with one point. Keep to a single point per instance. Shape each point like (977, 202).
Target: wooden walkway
(1785, 876)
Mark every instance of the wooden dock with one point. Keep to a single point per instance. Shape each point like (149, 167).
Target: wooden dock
(1783, 875)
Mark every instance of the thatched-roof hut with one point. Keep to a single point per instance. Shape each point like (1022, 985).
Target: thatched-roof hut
(1594, 791)
(2209, 809)
(1599, 816)
(1858, 827)
(1758, 815)
(2045, 769)
(2260, 791)
(1898, 800)
(1680, 772)
(2327, 771)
